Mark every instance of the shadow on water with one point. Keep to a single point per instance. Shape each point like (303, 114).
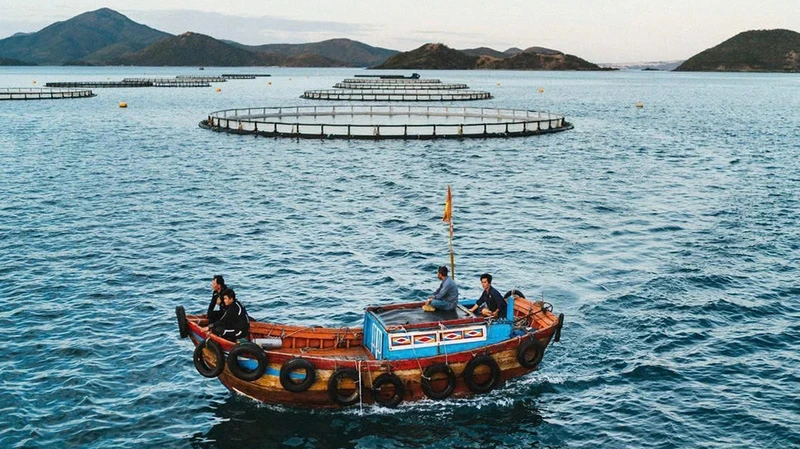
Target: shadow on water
(472, 423)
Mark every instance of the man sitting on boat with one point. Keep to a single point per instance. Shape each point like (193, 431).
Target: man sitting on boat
(446, 296)
(234, 323)
(491, 304)
(216, 308)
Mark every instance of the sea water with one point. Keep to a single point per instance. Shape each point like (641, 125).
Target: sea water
(667, 235)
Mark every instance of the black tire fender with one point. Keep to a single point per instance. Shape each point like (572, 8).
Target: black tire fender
(297, 364)
(530, 353)
(335, 394)
(399, 390)
(557, 336)
(183, 326)
(200, 361)
(250, 350)
(438, 368)
(494, 374)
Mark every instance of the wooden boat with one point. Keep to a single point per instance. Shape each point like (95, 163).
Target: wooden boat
(400, 354)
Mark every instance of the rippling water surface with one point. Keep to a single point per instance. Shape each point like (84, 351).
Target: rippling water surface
(668, 235)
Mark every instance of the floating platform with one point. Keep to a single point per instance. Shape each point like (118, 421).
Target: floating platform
(43, 93)
(131, 82)
(208, 79)
(399, 87)
(242, 76)
(100, 84)
(169, 82)
(384, 122)
(391, 80)
(385, 77)
(395, 95)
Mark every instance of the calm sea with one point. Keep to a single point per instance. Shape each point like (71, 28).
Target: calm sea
(668, 235)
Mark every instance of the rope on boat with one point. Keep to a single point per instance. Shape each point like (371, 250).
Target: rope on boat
(360, 388)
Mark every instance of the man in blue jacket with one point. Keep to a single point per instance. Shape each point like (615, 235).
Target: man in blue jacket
(446, 296)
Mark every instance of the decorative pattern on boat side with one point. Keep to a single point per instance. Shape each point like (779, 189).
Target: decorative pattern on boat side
(441, 337)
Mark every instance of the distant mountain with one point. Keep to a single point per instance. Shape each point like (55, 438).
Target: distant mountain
(91, 37)
(750, 51)
(311, 60)
(439, 56)
(651, 65)
(538, 58)
(432, 57)
(484, 51)
(348, 52)
(193, 49)
(541, 51)
(12, 62)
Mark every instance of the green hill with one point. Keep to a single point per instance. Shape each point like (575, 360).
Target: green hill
(91, 37)
(193, 49)
(537, 58)
(432, 57)
(750, 51)
(348, 52)
(439, 56)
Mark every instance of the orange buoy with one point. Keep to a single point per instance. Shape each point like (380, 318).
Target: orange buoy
(33, 82)
(541, 89)
(219, 90)
(122, 104)
(639, 104)
(269, 83)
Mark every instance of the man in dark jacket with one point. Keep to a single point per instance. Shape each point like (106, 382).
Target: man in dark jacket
(491, 303)
(234, 323)
(216, 308)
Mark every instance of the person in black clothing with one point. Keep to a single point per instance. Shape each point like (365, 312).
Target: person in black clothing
(491, 304)
(217, 286)
(234, 323)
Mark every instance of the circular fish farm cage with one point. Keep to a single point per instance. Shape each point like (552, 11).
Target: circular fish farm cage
(399, 87)
(392, 81)
(42, 93)
(384, 122)
(396, 95)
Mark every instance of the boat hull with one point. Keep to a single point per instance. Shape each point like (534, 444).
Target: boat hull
(345, 372)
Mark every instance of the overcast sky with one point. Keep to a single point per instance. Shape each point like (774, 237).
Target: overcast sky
(596, 30)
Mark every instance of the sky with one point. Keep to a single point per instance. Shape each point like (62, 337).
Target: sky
(600, 31)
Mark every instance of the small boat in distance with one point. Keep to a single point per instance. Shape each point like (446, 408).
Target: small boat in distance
(401, 353)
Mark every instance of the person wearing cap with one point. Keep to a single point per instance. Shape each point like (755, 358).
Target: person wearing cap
(491, 304)
(234, 323)
(446, 296)
(216, 308)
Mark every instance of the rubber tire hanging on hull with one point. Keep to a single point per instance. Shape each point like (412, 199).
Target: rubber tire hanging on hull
(200, 362)
(469, 374)
(253, 351)
(183, 326)
(297, 364)
(438, 368)
(333, 386)
(557, 336)
(530, 353)
(399, 390)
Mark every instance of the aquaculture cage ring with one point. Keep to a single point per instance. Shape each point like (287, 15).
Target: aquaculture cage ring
(384, 122)
(395, 95)
(42, 93)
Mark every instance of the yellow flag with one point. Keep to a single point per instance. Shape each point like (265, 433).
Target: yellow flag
(448, 206)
